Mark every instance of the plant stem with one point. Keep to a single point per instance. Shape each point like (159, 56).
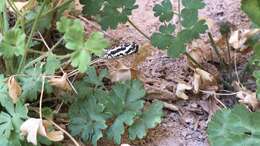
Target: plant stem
(7, 69)
(44, 55)
(41, 96)
(141, 32)
(193, 60)
(65, 132)
(30, 38)
(229, 57)
(5, 21)
(50, 11)
(213, 44)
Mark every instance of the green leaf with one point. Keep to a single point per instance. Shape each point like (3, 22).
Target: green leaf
(252, 9)
(235, 126)
(73, 33)
(81, 59)
(31, 85)
(110, 13)
(192, 27)
(11, 121)
(193, 4)
(164, 11)
(118, 128)
(6, 124)
(126, 97)
(184, 37)
(135, 92)
(125, 103)
(87, 119)
(2, 6)
(149, 119)
(257, 77)
(93, 78)
(257, 51)
(13, 43)
(52, 64)
(91, 7)
(96, 43)
(74, 37)
(164, 38)
(189, 17)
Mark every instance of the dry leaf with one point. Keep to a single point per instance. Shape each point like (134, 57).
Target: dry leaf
(198, 55)
(61, 82)
(238, 38)
(14, 89)
(249, 98)
(204, 80)
(55, 135)
(246, 96)
(31, 128)
(180, 91)
(121, 73)
(144, 52)
(205, 76)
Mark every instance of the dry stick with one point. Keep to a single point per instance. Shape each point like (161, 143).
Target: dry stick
(141, 32)
(44, 55)
(65, 132)
(41, 96)
(220, 102)
(43, 40)
(220, 94)
(235, 62)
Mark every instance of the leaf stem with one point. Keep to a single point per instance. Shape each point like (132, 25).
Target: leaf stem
(193, 60)
(141, 32)
(229, 57)
(44, 55)
(65, 132)
(50, 11)
(30, 38)
(41, 96)
(213, 44)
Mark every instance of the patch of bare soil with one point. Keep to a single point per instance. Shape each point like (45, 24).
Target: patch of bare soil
(187, 127)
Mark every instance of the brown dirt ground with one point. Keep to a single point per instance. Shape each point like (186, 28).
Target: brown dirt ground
(188, 126)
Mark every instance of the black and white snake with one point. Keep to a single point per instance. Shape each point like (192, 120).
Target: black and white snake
(121, 51)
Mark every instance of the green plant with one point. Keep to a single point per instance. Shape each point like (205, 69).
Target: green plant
(190, 28)
(235, 126)
(251, 8)
(238, 126)
(109, 13)
(123, 106)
